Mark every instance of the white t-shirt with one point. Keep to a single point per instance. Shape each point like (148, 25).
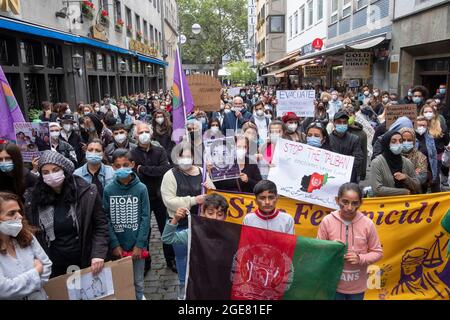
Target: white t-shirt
(282, 222)
(263, 128)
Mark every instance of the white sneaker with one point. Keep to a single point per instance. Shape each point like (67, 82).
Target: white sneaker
(143, 297)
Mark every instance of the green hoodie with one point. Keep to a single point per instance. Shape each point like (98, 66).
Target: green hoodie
(128, 210)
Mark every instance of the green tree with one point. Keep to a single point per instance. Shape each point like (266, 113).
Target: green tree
(240, 73)
(224, 28)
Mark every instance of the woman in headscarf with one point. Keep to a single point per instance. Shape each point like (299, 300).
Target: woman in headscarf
(410, 151)
(391, 173)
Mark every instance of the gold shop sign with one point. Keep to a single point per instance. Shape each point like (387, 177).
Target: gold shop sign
(10, 5)
(143, 48)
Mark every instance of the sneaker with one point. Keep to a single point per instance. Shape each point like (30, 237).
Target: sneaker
(144, 298)
(181, 294)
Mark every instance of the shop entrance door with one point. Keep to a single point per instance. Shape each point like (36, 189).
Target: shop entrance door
(432, 82)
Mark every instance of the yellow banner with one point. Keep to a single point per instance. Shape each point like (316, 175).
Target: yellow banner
(414, 264)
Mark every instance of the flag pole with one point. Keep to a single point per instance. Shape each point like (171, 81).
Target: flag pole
(180, 70)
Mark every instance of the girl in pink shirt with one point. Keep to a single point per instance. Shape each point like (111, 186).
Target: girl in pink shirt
(358, 232)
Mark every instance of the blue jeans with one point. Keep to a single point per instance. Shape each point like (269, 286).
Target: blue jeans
(181, 252)
(138, 272)
(355, 296)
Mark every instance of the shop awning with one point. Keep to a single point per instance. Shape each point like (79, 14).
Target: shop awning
(368, 43)
(288, 68)
(287, 57)
(41, 31)
(331, 50)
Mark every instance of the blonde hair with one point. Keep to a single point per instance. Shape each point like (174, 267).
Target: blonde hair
(434, 125)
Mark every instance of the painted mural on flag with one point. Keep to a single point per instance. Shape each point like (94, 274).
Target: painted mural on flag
(415, 265)
(228, 261)
(309, 174)
(301, 102)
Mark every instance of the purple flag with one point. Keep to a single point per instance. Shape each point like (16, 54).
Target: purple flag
(9, 110)
(183, 103)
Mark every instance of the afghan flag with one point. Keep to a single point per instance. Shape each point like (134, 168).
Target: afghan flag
(234, 262)
(183, 103)
(9, 110)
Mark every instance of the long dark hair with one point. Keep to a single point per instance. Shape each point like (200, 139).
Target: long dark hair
(25, 236)
(17, 180)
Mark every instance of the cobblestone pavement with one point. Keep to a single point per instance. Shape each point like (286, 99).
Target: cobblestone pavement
(161, 283)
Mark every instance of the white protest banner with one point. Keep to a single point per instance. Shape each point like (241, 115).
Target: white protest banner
(309, 174)
(357, 65)
(301, 102)
(234, 91)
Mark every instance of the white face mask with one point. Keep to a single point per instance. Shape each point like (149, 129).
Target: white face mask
(160, 121)
(292, 127)
(385, 100)
(68, 127)
(68, 111)
(428, 115)
(376, 94)
(366, 93)
(185, 163)
(274, 137)
(54, 180)
(240, 153)
(227, 110)
(144, 138)
(11, 227)
(214, 129)
(120, 138)
(260, 113)
(54, 134)
(421, 130)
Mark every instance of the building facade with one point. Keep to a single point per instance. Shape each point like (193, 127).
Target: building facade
(171, 28)
(421, 46)
(80, 51)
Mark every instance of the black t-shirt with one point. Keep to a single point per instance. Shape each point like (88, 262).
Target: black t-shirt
(65, 250)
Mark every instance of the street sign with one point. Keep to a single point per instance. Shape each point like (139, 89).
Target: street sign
(317, 44)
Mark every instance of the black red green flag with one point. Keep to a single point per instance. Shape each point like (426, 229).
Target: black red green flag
(233, 262)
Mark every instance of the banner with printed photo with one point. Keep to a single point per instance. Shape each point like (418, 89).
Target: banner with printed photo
(221, 155)
(414, 266)
(32, 139)
(301, 102)
(309, 174)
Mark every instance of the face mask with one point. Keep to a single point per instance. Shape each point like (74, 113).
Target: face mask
(409, 94)
(94, 157)
(123, 173)
(227, 110)
(407, 146)
(185, 163)
(222, 107)
(214, 129)
(202, 120)
(87, 112)
(97, 109)
(54, 134)
(68, 111)
(123, 111)
(334, 97)
(143, 114)
(274, 137)
(68, 127)
(120, 138)
(341, 128)
(243, 94)
(396, 148)
(314, 142)
(385, 100)
(163, 107)
(292, 127)
(260, 113)
(240, 153)
(144, 138)
(428, 115)
(442, 91)
(54, 180)
(351, 120)
(376, 94)
(421, 130)
(160, 121)
(266, 107)
(11, 227)
(6, 166)
(237, 109)
(268, 116)
(366, 93)
(131, 112)
(417, 100)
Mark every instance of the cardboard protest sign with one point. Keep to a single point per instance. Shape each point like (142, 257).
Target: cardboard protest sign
(301, 102)
(115, 282)
(32, 139)
(221, 153)
(357, 65)
(401, 110)
(309, 174)
(205, 91)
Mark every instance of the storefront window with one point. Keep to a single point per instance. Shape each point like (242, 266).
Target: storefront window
(109, 63)
(133, 67)
(276, 24)
(435, 65)
(100, 62)
(89, 60)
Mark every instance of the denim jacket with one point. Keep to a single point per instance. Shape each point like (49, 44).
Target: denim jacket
(432, 154)
(106, 174)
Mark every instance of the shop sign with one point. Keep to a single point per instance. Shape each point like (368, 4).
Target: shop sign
(10, 5)
(353, 83)
(143, 48)
(314, 71)
(357, 65)
(317, 44)
(307, 49)
(98, 32)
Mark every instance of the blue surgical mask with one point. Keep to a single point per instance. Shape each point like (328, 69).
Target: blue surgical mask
(407, 146)
(143, 114)
(123, 111)
(396, 148)
(442, 91)
(93, 157)
(417, 100)
(6, 166)
(314, 141)
(123, 173)
(341, 128)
